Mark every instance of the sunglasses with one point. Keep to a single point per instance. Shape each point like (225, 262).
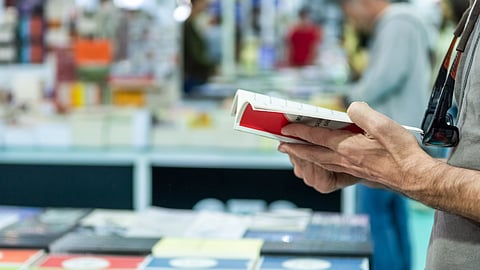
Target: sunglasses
(438, 123)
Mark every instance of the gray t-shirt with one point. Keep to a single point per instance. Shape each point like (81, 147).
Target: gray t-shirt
(397, 79)
(455, 241)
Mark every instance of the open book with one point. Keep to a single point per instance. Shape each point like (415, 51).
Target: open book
(266, 116)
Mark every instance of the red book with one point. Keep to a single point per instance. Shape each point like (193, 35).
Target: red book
(266, 116)
(18, 257)
(66, 261)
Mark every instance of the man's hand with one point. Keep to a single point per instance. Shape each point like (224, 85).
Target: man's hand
(384, 155)
(322, 180)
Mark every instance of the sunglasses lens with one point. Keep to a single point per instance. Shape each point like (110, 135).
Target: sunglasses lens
(446, 136)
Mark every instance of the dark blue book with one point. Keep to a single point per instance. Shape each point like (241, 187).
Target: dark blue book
(310, 263)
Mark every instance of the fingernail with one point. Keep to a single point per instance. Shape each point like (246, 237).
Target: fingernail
(284, 131)
(281, 149)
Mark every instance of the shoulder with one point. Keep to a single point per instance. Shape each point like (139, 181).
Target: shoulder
(405, 19)
(402, 14)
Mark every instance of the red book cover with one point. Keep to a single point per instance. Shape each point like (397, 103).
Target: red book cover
(266, 116)
(83, 262)
(273, 122)
(18, 256)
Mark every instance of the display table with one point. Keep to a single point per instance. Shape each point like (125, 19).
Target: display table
(134, 179)
(294, 236)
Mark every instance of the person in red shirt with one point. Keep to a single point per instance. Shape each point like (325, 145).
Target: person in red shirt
(302, 41)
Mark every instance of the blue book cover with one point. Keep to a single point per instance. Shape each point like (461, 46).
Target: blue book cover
(156, 263)
(312, 263)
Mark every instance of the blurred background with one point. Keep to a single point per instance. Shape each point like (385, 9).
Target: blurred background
(126, 104)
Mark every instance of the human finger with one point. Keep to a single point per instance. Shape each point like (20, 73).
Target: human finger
(314, 175)
(377, 125)
(315, 135)
(308, 152)
(318, 155)
(333, 161)
(297, 166)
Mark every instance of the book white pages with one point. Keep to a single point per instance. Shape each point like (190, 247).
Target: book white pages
(266, 116)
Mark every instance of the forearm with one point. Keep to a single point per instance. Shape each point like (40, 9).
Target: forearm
(447, 188)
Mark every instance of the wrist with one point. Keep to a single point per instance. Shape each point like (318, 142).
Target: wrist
(421, 174)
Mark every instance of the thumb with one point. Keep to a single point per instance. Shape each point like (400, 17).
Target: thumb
(377, 125)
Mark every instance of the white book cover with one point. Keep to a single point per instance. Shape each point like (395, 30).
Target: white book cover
(266, 116)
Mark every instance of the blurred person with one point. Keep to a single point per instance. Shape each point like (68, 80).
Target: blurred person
(302, 41)
(395, 82)
(388, 156)
(213, 35)
(197, 64)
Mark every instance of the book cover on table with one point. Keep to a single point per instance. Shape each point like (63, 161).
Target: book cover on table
(89, 261)
(39, 230)
(97, 243)
(196, 262)
(296, 263)
(19, 258)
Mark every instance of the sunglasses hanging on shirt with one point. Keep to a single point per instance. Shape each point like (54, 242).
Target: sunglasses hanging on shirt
(437, 125)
